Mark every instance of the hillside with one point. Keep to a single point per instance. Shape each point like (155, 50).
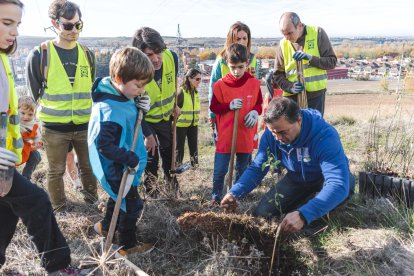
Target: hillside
(362, 237)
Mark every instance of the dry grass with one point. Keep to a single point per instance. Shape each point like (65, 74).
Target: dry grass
(372, 237)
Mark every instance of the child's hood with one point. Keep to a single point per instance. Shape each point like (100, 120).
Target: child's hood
(103, 89)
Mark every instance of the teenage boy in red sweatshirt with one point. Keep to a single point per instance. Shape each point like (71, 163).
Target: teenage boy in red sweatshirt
(237, 90)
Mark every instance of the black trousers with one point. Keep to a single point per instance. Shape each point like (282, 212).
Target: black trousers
(126, 223)
(31, 164)
(191, 133)
(31, 203)
(163, 131)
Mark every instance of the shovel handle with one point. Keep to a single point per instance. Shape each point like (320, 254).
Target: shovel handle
(115, 214)
(233, 148)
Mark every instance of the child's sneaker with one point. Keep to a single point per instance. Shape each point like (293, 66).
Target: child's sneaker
(98, 229)
(70, 271)
(140, 248)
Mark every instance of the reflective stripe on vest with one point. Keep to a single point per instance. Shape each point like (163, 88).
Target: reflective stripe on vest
(190, 111)
(14, 141)
(162, 100)
(249, 92)
(315, 78)
(225, 69)
(62, 102)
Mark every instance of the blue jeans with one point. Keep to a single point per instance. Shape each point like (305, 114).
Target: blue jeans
(31, 164)
(221, 166)
(286, 196)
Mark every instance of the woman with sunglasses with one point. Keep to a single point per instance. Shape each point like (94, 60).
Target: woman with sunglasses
(23, 199)
(187, 124)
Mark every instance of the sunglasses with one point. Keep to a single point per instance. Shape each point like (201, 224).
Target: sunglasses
(69, 26)
(197, 79)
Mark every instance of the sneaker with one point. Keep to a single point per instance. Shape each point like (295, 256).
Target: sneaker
(98, 229)
(70, 271)
(140, 249)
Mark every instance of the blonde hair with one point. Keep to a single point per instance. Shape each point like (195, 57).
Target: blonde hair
(129, 63)
(26, 102)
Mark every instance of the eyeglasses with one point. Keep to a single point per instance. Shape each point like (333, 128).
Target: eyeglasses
(69, 26)
(197, 79)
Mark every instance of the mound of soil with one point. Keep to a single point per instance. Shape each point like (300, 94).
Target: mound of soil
(231, 227)
(237, 228)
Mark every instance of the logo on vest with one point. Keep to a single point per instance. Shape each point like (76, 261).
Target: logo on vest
(169, 77)
(311, 44)
(84, 72)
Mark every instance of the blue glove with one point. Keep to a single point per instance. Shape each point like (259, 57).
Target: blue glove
(299, 55)
(296, 88)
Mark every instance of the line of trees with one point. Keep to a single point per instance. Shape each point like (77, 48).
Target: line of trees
(346, 50)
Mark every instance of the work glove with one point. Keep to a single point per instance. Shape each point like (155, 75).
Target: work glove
(130, 179)
(236, 104)
(143, 103)
(251, 119)
(7, 159)
(299, 55)
(296, 88)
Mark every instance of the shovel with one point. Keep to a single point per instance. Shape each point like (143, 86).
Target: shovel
(233, 149)
(112, 226)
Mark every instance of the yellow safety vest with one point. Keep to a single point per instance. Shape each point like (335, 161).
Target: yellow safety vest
(190, 110)
(225, 68)
(61, 101)
(14, 141)
(162, 100)
(315, 78)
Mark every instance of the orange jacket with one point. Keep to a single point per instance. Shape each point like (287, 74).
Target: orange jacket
(28, 137)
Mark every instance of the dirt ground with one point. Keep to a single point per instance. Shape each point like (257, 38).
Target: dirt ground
(187, 244)
(363, 106)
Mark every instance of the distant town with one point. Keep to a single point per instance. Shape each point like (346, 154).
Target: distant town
(358, 58)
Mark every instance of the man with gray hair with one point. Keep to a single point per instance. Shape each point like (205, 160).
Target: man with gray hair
(311, 152)
(307, 44)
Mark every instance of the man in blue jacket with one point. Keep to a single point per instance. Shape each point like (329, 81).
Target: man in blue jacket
(311, 151)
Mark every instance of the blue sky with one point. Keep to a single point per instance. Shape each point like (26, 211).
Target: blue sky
(202, 18)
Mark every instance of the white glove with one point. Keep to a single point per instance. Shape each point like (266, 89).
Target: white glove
(143, 102)
(251, 119)
(236, 104)
(130, 179)
(7, 159)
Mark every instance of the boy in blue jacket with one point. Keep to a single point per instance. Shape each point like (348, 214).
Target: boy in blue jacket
(311, 151)
(110, 135)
